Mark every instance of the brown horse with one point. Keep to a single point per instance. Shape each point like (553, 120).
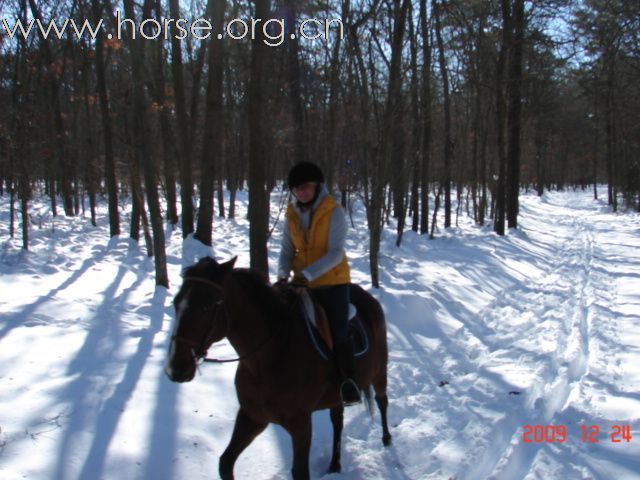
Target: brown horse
(280, 378)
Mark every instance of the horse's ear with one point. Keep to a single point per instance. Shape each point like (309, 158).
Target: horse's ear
(228, 266)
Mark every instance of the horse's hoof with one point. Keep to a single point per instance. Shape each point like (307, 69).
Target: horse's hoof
(225, 470)
(386, 440)
(335, 468)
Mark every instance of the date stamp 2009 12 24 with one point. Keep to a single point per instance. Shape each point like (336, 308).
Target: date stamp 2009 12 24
(588, 434)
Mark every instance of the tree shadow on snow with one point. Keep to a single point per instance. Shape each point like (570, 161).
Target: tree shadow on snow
(96, 371)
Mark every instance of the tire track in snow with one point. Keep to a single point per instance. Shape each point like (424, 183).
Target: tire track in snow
(508, 457)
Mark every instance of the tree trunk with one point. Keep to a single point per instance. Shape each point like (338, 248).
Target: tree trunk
(609, 134)
(415, 121)
(58, 143)
(595, 152)
(232, 201)
(12, 208)
(482, 207)
(500, 120)
(389, 137)
(107, 133)
(426, 119)
(21, 149)
(220, 191)
(334, 88)
(142, 137)
(397, 154)
(183, 156)
(539, 140)
(448, 142)
(91, 173)
(436, 207)
(136, 199)
(373, 203)
(294, 84)
(477, 123)
(168, 150)
(258, 195)
(213, 127)
(514, 114)
(24, 207)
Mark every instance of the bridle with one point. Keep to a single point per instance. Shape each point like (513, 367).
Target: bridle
(199, 350)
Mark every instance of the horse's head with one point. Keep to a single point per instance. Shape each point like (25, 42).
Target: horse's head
(200, 317)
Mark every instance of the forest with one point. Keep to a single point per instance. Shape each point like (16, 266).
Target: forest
(424, 110)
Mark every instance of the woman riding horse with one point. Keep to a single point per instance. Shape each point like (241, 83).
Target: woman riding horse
(313, 247)
(281, 378)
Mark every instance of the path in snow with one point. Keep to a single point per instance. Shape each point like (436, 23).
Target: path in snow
(571, 308)
(551, 337)
(547, 344)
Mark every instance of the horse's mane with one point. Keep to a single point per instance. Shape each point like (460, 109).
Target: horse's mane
(276, 305)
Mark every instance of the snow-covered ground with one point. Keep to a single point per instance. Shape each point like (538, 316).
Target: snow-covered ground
(493, 341)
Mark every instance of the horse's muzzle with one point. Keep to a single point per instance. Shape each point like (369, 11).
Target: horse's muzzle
(180, 375)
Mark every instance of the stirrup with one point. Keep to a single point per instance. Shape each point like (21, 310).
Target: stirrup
(353, 396)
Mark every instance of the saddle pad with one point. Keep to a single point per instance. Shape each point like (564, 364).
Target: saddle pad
(310, 311)
(357, 335)
(307, 305)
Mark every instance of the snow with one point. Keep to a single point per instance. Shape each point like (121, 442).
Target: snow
(487, 335)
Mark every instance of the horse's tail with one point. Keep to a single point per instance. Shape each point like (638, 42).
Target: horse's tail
(368, 403)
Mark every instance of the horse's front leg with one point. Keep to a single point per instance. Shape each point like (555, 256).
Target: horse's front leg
(337, 420)
(244, 431)
(299, 427)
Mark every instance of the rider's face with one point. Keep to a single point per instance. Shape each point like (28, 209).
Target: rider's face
(304, 193)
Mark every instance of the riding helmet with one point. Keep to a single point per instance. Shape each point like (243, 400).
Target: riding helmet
(304, 172)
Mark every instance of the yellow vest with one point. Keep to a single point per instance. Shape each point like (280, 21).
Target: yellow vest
(317, 244)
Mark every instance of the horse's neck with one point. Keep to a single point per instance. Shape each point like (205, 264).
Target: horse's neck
(252, 330)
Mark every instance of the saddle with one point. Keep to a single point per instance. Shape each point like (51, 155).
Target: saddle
(320, 332)
(317, 317)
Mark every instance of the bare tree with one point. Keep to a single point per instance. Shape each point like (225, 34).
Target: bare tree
(258, 194)
(415, 120)
(58, 130)
(448, 141)
(388, 138)
(142, 137)
(514, 113)
(213, 127)
(107, 131)
(162, 108)
(184, 137)
(500, 207)
(426, 118)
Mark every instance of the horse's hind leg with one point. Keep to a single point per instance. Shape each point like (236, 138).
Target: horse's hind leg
(383, 402)
(244, 431)
(337, 420)
(380, 387)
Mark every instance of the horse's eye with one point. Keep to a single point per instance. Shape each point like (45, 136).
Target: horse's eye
(210, 306)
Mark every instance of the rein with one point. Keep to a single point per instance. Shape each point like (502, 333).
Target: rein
(200, 355)
(245, 356)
